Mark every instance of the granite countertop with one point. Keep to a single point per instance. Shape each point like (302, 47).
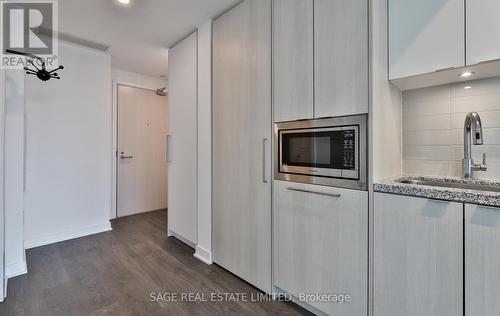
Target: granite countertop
(465, 195)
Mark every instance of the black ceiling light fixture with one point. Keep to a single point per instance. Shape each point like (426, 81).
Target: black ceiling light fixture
(42, 72)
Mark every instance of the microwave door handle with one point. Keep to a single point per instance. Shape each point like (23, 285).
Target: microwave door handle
(264, 178)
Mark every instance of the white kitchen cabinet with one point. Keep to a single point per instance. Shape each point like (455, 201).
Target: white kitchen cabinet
(482, 30)
(482, 260)
(340, 57)
(242, 130)
(426, 36)
(293, 81)
(418, 256)
(320, 244)
(182, 139)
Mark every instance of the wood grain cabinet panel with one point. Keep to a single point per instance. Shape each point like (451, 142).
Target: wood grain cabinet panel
(321, 244)
(182, 147)
(482, 260)
(293, 80)
(418, 256)
(482, 31)
(425, 36)
(242, 130)
(340, 57)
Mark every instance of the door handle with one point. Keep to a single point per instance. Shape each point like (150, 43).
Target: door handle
(122, 156)
(264, 178)
(337, 195)
(169, 151)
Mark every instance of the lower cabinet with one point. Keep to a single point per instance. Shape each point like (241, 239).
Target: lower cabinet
(482, 260)
(418, 257)
(321, 240)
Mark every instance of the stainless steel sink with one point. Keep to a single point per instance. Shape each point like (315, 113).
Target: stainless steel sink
(455, 185)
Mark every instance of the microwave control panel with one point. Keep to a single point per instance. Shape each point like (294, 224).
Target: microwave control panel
(349, 149)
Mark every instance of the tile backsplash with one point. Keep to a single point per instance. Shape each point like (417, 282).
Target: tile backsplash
(433, 120)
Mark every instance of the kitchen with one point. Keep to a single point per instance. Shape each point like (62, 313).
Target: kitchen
(368, 187)
(340, 156)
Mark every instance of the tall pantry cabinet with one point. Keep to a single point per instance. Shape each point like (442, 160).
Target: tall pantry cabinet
(182, 142)
(242, 142)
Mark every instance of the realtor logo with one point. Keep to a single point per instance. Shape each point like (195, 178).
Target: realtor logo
(29, 27)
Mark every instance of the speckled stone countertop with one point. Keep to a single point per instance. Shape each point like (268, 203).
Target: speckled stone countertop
(465, 195)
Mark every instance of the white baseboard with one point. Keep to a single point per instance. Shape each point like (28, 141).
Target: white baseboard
(203, 255)
(66, 235)
(15, 269)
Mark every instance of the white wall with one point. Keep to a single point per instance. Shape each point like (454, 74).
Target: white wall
(15, 259)
(433, 122)
(68, 158)
(386, 103)
(204, 246)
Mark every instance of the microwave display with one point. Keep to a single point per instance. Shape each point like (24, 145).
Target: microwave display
(332, 149)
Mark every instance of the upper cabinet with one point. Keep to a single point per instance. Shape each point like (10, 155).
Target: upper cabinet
(432, 41)
(293, 59)
(341, 57)
(425, 36)
(483, 30)
(320, 58)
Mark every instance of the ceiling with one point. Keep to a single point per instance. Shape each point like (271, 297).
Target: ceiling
(138, 34)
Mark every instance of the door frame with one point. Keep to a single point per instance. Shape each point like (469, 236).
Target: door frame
(114, 151)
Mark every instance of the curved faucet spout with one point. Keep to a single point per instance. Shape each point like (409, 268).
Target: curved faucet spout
(473, 124)
(472, 129)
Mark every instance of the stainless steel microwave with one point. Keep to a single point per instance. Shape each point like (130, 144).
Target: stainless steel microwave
(330, 151)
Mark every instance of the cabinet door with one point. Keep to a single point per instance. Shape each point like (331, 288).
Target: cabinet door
(341, 57)
(418, 256)
(425, 36)
(483, 31)
(182, 178)
(482, 260)
(293, 80)
(241, 142)
(321, 243)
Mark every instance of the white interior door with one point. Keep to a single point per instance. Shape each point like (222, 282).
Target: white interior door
(142, 164)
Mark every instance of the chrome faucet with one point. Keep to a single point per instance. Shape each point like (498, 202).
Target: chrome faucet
(472, 128)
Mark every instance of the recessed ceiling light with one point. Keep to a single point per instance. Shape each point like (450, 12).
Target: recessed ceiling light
(466, 74)
(467, 87)
(124, 1)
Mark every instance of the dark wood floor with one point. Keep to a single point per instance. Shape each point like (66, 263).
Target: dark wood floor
(114, 273)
